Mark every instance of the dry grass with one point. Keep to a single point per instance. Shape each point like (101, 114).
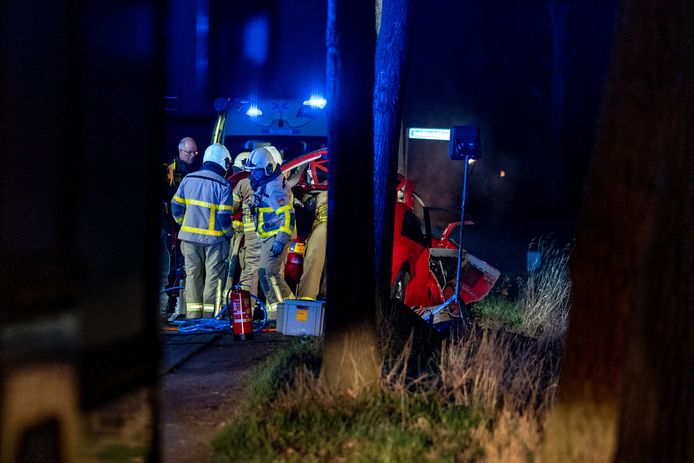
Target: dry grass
(545, 297)
(512, 381)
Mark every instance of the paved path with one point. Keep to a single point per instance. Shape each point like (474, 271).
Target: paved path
(202, 378)
(199, 395)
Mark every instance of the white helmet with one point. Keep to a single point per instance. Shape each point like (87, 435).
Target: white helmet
(261, 158)
(240, 160)
(218, 154)
(275, 154)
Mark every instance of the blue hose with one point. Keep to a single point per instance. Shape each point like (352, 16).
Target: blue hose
(217, 324)
(166, 290)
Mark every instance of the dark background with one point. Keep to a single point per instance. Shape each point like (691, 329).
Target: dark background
(487, 64)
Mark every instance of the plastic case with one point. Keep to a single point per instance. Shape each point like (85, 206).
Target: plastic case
(296, 317)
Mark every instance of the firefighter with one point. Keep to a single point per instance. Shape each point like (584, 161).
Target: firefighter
(247, 256)
(314, 258)
(179, 167)
(202, 206)
(274, 222)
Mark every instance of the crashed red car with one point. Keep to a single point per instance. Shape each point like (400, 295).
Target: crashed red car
(423, 270)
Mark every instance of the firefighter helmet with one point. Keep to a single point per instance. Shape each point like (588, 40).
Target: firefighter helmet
(261, 158)
(275, 154)
(241, 159)
(218, 154)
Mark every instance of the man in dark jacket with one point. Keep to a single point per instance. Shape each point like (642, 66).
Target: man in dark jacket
(173, 173)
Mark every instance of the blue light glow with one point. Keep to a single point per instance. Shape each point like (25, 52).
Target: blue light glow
(254, 111)
(416, 133)
(256, 39)
(316, 102)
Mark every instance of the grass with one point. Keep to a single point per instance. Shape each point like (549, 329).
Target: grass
(267, 380)
(310, 424)
(497, 311)
(485, 400)
(541, 307)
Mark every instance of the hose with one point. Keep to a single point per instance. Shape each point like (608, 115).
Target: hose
(166, 290)
(217, 324)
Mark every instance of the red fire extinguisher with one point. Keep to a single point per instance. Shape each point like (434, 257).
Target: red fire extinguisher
(241, 314)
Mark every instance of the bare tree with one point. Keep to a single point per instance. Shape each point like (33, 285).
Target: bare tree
(392, 59)
(627, 388)
(351, 360)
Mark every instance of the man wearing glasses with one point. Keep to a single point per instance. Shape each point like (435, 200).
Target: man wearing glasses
(182, 165)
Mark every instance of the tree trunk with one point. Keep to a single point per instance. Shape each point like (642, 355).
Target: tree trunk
(626, 391)
(350, 361)
(392, 53)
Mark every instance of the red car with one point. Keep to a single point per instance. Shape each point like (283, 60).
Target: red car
(423, 271)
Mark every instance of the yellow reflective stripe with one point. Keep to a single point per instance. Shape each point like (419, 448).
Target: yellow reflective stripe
(179, 220)
(208, 307)
(212, 217)
(202, 231)
(236, 197)
(321, 214)
(195, 202)
(261, 221)
(286, 210)
(249, 227)
(287, 218)
(194, 306)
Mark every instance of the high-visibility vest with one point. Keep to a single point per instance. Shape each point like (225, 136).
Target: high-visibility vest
(274, 210)
(199, 201)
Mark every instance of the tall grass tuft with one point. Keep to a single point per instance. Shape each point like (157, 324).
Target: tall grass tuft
(546, 295)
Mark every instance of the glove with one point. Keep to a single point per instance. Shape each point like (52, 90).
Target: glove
(277, 248)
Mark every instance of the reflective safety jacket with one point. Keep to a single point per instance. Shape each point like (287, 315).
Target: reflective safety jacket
(243, 200)
(202, 206)
(274, 210)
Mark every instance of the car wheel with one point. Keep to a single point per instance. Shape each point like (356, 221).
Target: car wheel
(399, 288)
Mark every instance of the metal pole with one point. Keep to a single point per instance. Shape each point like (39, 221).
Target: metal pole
(462, 223)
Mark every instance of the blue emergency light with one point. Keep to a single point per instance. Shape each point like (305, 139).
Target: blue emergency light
(254, 111)
(316, 101)
(312, 107)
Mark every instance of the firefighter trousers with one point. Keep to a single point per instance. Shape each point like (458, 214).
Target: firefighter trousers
(250, 262)
(271, 275)
(205, 271)
(314, 262)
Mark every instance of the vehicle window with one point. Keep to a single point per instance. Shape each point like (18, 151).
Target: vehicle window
(412, 229)
(454, 236)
